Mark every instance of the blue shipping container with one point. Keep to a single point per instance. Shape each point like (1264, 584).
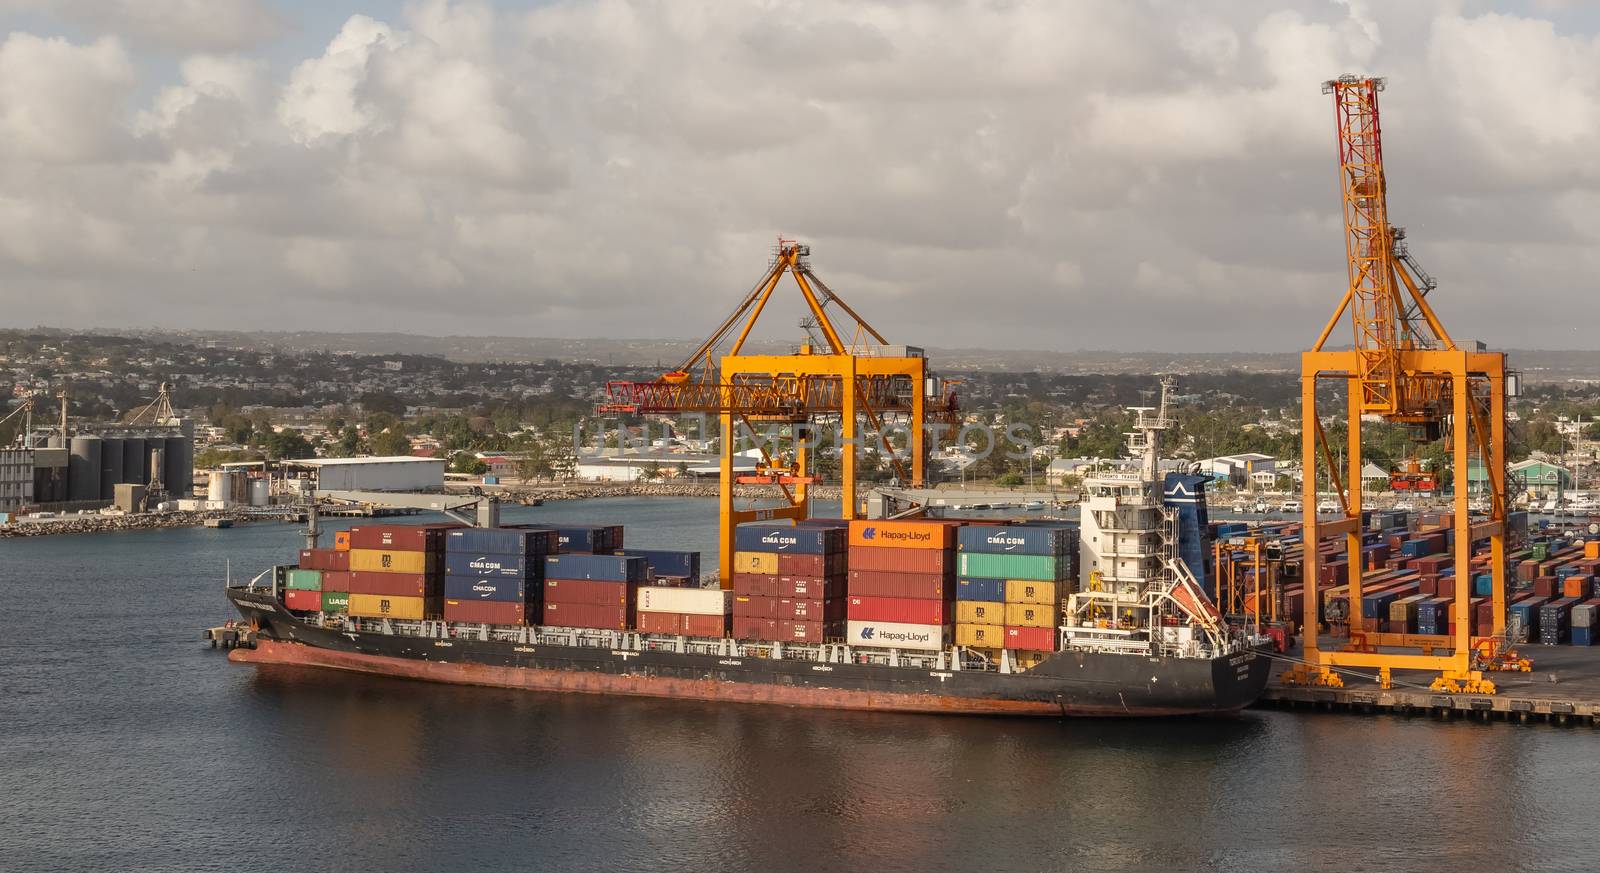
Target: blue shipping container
(765, 537)
(667, 563)
(994, 540)
(606, 568)
(603, 538)
(981, 589)
(1583, 636)
(500, 541)
(499, 566)
(488, 588)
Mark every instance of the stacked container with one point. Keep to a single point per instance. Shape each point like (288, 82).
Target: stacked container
(693, 612)
(1012, 579)
(902, 584)
(789, 582)
(397, 570)
(495, 575)
(589, 539)
(322, 582)
(679, 568)
(592, 591)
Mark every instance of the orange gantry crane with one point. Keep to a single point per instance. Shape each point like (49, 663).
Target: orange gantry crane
(1403, 367)
(840, 379)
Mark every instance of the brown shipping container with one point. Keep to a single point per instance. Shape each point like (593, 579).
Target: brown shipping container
(324, 559)
(874, 583)
(484, 611)
(661, 622)
(751, 585)
(586, 615)
(333, 580)
(811, 587)
(399, 537)
(833, 564)
(809, 631)
(706, 625)
(591, 591)
(755, 607)
(891, 560)
(390, 584)
(745, 628)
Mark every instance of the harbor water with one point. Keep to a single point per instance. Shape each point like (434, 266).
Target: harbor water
(129, 746)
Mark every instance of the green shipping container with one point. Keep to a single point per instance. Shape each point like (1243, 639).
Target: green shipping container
(1039, 568)
(335, 601)
(304, 580)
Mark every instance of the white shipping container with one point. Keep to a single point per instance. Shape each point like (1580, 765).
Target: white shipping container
(688, 601)
(894, 635)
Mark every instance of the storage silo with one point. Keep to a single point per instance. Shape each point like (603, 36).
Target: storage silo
(83, 469)
(259, 493)
(135, 462)
(219, 486)
(178, 470)
(110, 466)
(156, 449)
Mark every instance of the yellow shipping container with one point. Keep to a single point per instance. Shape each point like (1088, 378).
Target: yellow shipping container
(1030, 615)
(1021, 660)
(758, 563)
(1028, 591)
(377, 561)
(386, 606)
(980, 612)
(980, 635)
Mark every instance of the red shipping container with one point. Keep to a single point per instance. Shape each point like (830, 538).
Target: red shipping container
(592, 591)
(892, 560)
(586, 615)
(833, 564)
(303, 601)
(752, 585)
(745, 628)
(1032, 639)
(811, 587)
(333, 580)
(1545, 586)
(661, 622)
(484, 611)
(906, 610)
(874, 583)
(392, 584)
(755, 607)
(324, 559)
(809, 631)
(706, 625)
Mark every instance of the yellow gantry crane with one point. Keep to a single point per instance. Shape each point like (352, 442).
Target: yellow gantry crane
(845, 380)
(1404, 367)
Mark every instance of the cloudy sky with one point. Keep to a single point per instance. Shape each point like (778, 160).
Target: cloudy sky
(1008, 173)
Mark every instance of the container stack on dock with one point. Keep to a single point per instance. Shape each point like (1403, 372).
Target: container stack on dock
(592, 591)
(1011, 581)
(678, 609)
(496, 575)
(397, 570)
(902, 584)
(789, 582)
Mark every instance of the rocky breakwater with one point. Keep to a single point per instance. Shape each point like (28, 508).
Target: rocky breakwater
(77, 524)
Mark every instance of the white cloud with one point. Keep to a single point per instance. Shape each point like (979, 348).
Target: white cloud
(59, 102)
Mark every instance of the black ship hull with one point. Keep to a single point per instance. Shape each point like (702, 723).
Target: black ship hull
(1064, 684)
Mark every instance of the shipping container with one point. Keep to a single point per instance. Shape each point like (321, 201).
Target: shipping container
(715, 626)
(388, 606)
(335, 601)
(341, 540)
(981, 589)
(917, 534)
(303, 600)
(1016, 540)
(398, 538)
(489, 588)
(485, 611)
(609, 568)
(597, 592)
(979, 612)
(870, 583)
(379, 561)
(590, 538)
(1034, 639)
(1039, 568)
(459, 563)
(900, 610)
(759, 629)
(333, 580)
(811, 587)
(1029, 591)
(688, 601)
(667, 563)
(303, 580)
(394, 584)
(769, 537)
(893, 560)
(751, 585)
(809, 631)
(324, 559)
(1030, 615)
(528, 542)
(660, 622)
(832, 564)
(982, 636)
(559, 614)
(757, 563)
(895, 635)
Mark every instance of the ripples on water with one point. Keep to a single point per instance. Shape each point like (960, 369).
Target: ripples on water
(128, 746)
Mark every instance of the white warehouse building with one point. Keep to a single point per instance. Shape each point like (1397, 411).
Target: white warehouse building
(395, 473)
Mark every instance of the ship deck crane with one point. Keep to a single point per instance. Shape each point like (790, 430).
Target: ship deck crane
(845, 379)
(1403, 367)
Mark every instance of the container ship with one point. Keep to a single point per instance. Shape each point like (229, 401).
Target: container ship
(1099, 618)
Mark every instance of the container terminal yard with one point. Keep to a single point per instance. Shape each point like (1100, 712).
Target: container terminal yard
(1142, 606)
